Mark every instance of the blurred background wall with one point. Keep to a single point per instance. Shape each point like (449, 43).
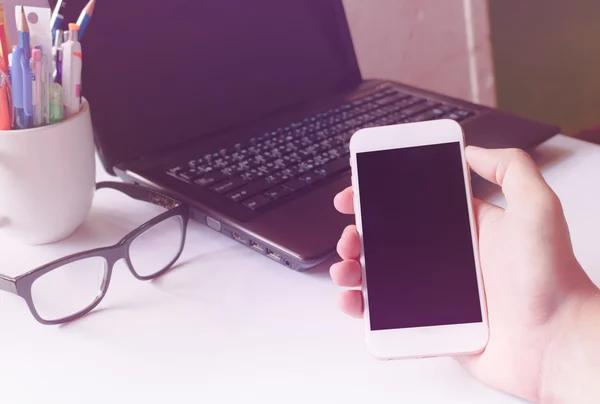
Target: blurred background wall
(437, 45)
(547, 57)
(537, 58)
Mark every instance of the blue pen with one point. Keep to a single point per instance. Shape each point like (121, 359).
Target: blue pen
(24, 35)
(85, 17)
(27, 91)
(17, 87)
(58, 56)
(57, 18)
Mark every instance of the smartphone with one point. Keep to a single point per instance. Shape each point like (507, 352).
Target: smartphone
(422, 282)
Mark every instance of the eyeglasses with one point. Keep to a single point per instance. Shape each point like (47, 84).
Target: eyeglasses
(71, 287)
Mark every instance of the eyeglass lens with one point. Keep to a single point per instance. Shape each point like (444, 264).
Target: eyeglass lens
(69, 289)
(74, 287)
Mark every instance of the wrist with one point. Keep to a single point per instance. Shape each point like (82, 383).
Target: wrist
(571, 364)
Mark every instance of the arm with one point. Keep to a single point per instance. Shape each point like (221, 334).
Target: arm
(572, 370)
(7, 284)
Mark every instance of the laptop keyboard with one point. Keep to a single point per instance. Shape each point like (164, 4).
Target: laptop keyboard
(287, 161)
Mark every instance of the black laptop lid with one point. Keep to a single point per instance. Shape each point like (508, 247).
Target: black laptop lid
(158, 74)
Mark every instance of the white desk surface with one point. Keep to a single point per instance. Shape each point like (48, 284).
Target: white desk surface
(228, 325)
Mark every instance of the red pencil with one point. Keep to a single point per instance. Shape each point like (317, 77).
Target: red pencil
(4, 40)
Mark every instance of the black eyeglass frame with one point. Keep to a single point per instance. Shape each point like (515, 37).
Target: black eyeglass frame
(22, 285)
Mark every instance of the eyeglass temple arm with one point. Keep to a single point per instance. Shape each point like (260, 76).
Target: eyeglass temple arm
(141, 193)
(7, 284)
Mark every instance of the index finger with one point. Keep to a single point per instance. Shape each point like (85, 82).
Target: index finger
(343, 201)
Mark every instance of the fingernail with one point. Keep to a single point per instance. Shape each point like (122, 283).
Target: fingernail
(476, 148)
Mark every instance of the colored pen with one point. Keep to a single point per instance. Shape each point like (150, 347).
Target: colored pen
(85, 17)
(27, 91)
(57, 18)
(57, 51)
(56, 103)
(38, 93)
(43, 79)
(5, 94)
(24, 41)
(72, 67)
(45, 82)
(4, 38)
(17, 88)
(5, 115)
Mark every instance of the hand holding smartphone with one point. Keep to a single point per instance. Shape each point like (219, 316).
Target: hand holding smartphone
(422, 281)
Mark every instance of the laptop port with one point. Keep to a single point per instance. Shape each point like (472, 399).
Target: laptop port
(256, 246)
(274, 256)
(239, 238)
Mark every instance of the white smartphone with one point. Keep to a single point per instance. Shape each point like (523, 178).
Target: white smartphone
(422, 283)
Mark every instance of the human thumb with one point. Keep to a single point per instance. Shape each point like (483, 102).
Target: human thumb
(512, 169)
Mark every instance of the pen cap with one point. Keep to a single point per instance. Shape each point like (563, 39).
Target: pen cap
(36, 55)
(73, 32)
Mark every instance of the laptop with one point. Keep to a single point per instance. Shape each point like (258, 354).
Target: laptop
(244, 109)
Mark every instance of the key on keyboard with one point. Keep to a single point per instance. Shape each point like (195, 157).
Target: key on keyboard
(288, 160)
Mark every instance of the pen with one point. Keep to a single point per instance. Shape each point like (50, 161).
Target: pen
(85, 18)
(56, 103)
(4, 38)
(43, 80)
(27, 90)
(5, 120)
(45, 83)
(24, 35)
(58, 56)
(72, 67)
(6, 93)
(25, 81)
(57, 18)
(38, 94)
(17, 87)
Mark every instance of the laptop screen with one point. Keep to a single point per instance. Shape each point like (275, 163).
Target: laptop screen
(159, 74)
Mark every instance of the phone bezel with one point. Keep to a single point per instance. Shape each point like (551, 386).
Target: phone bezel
(448, 340)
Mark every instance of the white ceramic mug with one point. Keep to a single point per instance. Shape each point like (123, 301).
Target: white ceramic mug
(47, 179)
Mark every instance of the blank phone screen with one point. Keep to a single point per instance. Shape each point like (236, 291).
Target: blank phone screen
(419, 258)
